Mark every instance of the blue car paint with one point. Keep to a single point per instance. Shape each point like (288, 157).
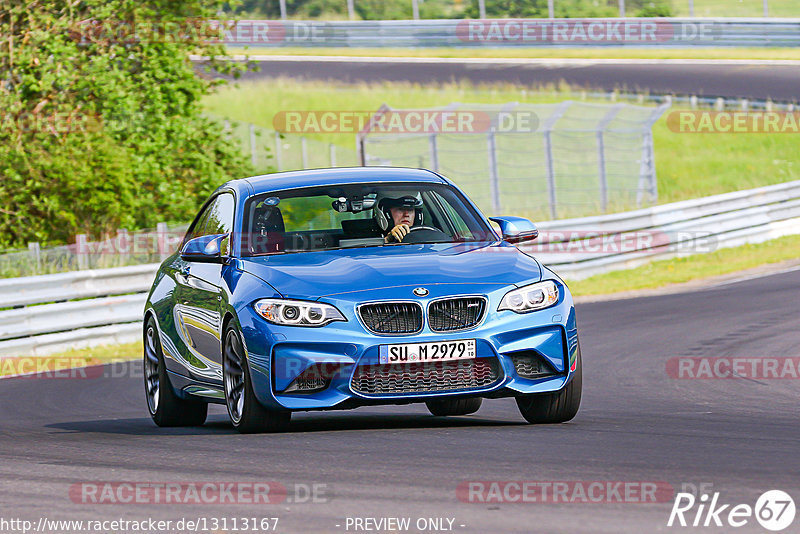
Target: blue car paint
(345, 278)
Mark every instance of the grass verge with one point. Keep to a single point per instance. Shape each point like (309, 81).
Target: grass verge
(606, 52)
(688, 165)
(685, 269)
(70, 359)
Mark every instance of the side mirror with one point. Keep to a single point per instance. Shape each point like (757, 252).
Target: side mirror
(207, 248)
(516, 229)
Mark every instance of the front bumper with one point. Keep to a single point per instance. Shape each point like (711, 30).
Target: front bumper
(279, 355)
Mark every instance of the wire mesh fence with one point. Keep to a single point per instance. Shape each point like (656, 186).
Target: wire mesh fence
(124, 248)
(270, 150)
(579, 159)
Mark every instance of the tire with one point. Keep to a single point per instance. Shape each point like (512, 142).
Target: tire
(557, 407)
(247, 414)
(165, 407)
(454, 406)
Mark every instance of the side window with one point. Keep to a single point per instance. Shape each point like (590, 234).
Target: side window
(220, 218)
(459, 223)
(196, 230)
(217, 218)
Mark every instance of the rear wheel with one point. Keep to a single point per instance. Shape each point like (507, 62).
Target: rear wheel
(247, 414)
(165, 407)
(454, 406)
(557, 407)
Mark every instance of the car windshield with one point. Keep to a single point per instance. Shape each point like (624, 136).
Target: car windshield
(359, 215)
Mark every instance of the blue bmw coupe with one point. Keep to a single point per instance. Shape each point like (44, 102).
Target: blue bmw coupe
(346, 287)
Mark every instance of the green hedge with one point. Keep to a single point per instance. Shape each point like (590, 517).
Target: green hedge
(433, 9)
(103, 129)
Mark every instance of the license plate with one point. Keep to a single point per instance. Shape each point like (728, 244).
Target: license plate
(440, 351)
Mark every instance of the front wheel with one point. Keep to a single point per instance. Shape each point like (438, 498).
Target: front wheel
(165, 407)
(247, 414)
(557, 407)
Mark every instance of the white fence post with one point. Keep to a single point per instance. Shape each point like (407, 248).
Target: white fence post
(123, 244)
(36, 255)
(283, 9)
(81, 251)
(162, 232)
(434, 148)
(415, 9)
(551, 12)
(547, 129)
(601, 154)
(351, 10)
(332, 149)
(621, 8)
(304, 152)
(494, 179)
(482, 8)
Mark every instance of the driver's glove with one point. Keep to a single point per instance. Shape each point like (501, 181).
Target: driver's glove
(397, 233)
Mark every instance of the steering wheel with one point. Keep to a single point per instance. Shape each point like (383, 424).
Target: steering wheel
(425, 233)
(417, 228)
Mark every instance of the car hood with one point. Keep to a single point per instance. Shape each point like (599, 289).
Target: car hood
(312, 275)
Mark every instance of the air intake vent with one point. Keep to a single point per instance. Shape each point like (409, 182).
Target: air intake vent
(529, 364)
(425, 377)
(460, 313)
(392, 317)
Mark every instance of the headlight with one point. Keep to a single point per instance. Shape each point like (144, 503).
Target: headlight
(297, 312)
(529, 298)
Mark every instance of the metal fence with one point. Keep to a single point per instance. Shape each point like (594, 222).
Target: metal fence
(490, 33)
(750, 8)
(577, 159)
(270, 150)
(124, 248)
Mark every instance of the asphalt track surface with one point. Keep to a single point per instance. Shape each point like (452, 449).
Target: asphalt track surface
(636, 424)
(779, 81)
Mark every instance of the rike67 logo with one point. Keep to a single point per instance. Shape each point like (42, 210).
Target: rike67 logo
(774, 510)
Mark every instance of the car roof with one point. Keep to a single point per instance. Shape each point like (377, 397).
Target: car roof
(333, 176)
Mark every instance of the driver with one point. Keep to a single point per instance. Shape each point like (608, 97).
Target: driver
(400, 214)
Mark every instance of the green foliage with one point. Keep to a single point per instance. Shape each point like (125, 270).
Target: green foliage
(570, 8)
(433, 9)
(656, 8)
(337, 9)
(101, 128)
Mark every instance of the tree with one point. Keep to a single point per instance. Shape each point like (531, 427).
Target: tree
(101, 125)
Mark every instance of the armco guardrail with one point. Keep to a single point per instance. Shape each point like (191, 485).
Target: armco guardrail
(579, 248)
(101, 306)
(112, 300)
(76, 285)
(682, 32)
